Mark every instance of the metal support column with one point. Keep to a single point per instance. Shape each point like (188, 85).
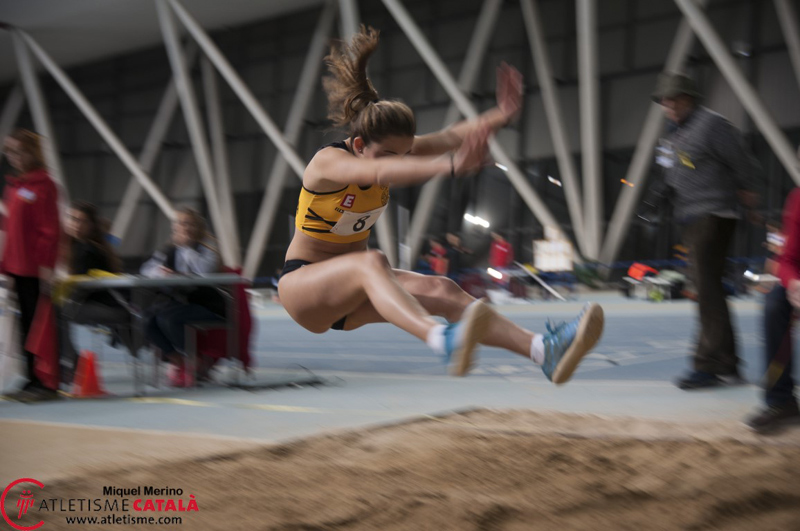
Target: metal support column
(787, 15)
(294, 125)
(100, 126)
(747, 95)
(591, 149)
(555, 119)
(150, 151)
(241, 90)
(8, 119)
(423, 47)
(38, 108)
(221, 167)
(194, 125)
(643, 154)
(349, 20)
(473, 59)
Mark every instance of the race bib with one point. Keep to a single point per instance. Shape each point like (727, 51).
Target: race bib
(354, 222)
(665, 157)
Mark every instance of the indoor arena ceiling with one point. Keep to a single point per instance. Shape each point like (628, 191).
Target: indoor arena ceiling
(81, 31)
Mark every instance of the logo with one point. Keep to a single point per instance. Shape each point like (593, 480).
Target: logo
(25, 502)
(348, 201)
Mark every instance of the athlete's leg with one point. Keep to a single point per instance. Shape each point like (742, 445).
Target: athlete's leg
(441, 296)
(318, 295)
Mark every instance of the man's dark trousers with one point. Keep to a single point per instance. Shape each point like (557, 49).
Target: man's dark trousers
(778, 385)
(708, 239)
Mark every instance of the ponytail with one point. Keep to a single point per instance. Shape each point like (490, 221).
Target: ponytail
(352, 99)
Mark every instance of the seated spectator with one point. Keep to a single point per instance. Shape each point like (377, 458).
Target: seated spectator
(190, 252)
(86, 248)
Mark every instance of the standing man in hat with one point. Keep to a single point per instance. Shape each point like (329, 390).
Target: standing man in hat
(710, 176)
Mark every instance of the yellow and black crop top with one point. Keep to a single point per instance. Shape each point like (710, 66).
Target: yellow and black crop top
(343, 216)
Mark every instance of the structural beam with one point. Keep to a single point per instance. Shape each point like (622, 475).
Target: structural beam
(238, 86)
(470, 70)
(294, 126)
(555, 119)
(219, 149)
(423, 47)
(8, 119)
(349, 20)
(744, 91)
(591, 150)
(643, 154)
(39, 111)
(787, 15)
(152, 148)
(195, 128)
(100, 125)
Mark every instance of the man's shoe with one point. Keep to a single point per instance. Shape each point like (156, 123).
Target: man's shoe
(706, 380)
(732, 380)
(698, 380)
(461, 338)
(774, 417)
(566, 344)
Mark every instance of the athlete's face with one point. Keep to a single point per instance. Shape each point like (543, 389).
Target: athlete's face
(389, 146)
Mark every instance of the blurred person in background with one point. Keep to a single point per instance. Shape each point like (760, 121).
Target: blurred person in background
(709, 176)
(191, 251)
(87, 248)
(454, 252)
(501, 253)
(780, 306)
(30, 251)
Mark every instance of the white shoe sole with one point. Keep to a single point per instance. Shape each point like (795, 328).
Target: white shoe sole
(590, 329)
(476, 324)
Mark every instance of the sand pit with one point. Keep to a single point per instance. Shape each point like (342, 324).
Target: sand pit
(484, 470)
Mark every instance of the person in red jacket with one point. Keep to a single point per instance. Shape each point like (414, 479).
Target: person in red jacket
(779, 308)
(32, 237)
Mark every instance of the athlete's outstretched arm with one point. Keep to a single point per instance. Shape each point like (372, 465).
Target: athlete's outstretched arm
(509, 104)
(333, 167)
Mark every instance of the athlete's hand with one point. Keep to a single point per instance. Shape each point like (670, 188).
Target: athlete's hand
(509, 91)
(472, 155)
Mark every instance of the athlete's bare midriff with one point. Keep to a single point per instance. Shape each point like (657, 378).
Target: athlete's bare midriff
(304, 247)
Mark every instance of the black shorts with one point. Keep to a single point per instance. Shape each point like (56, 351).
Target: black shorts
(293, 265)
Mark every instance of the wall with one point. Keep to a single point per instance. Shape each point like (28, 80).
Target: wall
(634, 38)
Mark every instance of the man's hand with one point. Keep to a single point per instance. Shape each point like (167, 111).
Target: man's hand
(793, 293)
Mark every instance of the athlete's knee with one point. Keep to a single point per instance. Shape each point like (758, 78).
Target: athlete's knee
(375, 260)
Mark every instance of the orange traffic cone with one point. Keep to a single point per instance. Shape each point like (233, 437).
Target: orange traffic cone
(87, 377)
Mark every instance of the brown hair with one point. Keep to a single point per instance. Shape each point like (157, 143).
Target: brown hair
(96, 236)
(32, 143)
(353, 100)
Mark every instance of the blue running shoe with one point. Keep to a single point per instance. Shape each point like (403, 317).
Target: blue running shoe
(461, 338)
(566, 344)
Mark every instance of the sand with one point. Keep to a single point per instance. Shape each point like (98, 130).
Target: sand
(481, 470)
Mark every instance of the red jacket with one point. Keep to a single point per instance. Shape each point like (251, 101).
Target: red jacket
(501, 254)
(789, 263)
(31, 224)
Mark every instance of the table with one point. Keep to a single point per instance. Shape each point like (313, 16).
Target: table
(139, 286)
